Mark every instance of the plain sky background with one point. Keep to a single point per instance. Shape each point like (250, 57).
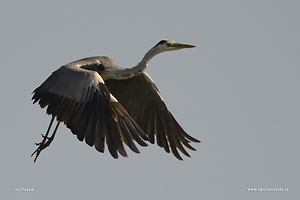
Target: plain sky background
(238, 92)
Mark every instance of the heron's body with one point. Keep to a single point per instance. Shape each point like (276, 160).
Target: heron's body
(102, 102)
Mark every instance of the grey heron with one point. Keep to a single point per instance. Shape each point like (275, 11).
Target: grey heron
(101, 102)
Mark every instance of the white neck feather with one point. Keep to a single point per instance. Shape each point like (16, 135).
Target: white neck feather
(127, 73)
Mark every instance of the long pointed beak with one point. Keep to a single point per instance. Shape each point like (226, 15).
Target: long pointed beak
(182, 46)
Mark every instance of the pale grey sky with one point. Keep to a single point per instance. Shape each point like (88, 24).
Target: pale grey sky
(238, 92)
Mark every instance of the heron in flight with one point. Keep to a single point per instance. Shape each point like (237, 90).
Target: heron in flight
(102, 102)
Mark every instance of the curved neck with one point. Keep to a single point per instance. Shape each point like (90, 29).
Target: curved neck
(127, 73)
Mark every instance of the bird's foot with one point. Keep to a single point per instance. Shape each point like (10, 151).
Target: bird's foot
(42, 145)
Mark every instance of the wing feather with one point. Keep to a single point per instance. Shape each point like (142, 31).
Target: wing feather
(161, 132)
(141, 98)
(127, 137)
(79, 98)
(151, 128)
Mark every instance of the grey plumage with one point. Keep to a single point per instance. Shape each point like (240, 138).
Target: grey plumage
(102, 102)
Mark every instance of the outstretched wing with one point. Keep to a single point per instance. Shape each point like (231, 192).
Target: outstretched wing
(79, 98)
(141, 98)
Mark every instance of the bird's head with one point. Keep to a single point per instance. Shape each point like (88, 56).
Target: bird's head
(168, 45)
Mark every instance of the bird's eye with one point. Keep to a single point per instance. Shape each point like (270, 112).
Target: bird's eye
(101, 67)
